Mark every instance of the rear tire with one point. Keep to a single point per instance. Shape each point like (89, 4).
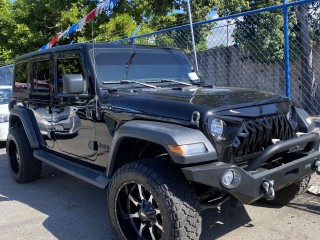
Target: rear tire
(288, 193)
(150, 199)
(22, 165)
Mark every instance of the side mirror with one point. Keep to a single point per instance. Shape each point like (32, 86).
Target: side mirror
(73, 83)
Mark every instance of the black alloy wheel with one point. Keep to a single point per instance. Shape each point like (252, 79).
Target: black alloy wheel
(150, 199)
(140, 210)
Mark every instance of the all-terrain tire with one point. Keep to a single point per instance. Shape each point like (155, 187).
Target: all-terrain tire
(22, 165)
(288, 193)
(172, 196)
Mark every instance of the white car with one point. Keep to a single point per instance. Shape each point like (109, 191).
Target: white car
(5, 98)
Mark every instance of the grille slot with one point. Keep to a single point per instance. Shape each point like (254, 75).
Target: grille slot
(256, 135)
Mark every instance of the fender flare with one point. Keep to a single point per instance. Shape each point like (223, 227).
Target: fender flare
(163, 134)
(304, 122)
(29, 124)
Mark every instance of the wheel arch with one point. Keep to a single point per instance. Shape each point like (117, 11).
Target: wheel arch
(21, 117)
(158, 135)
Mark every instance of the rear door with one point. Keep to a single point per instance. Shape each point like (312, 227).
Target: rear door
(41, 91)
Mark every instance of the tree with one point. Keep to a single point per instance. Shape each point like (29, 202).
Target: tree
(6, 26)
(182, 38)
(307, 74)
(32, 23)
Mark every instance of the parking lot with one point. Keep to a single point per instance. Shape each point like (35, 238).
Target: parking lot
(58, 206)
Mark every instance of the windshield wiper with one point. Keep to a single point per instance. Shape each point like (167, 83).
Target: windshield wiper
(169, 80)
(129, 82)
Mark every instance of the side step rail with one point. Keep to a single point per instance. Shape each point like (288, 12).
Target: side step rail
(94, 177)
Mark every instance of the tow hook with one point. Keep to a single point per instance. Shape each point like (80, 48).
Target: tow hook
(317, 165)
(269, 193)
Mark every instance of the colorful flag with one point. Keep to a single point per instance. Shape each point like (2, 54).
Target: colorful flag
(80, 24)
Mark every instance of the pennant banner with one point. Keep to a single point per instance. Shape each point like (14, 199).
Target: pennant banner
(105, 5)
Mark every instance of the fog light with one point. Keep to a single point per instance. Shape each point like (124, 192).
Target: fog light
(230, 179)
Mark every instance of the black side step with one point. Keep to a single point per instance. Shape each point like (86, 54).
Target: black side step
(94, 177)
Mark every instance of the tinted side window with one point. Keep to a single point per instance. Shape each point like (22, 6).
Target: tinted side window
(41, 77)
(21, 77)
(68, 64)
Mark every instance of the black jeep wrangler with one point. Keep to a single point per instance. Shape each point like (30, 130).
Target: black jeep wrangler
(139, 122)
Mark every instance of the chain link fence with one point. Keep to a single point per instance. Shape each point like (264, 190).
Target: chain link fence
(6, 75)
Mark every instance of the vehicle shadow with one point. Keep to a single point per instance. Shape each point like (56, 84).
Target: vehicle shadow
(74, 209)
(217, 222)
(77, 210)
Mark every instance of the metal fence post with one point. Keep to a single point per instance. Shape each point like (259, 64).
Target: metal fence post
(286, 48)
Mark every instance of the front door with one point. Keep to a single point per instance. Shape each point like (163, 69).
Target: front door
(73, 115)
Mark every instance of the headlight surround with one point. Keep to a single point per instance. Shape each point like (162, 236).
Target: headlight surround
(216, 128)
(292, 117)
(4, 118)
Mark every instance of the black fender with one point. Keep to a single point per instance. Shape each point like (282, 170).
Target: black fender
(29, 124)
(163, 134)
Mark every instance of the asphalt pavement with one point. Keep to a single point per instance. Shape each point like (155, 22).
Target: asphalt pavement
(58, 206)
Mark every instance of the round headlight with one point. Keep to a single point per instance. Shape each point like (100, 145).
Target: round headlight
(216, 129)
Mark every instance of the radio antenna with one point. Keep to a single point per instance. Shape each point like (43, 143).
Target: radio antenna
(192, 36)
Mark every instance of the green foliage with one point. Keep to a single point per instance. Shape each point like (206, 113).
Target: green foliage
(27, 25)
(120, 26)
(314, 21)
(30, 24)
(261, 34)
(6, 26)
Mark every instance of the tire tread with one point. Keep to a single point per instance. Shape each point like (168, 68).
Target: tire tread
(30, 168)
(179, 196)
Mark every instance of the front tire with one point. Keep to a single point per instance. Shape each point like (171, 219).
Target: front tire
(22, 165)
(150, 199)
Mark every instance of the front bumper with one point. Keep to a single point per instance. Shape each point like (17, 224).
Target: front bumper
(299, 164)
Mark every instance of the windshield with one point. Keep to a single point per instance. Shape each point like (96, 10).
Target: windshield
(5, 95)
(143, 65)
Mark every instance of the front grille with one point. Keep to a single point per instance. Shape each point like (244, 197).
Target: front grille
(256, 135)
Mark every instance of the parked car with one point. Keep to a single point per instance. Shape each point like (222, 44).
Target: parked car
(5, 98)
(164, 144)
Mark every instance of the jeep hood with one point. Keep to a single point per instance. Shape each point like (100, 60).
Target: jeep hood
(181, 103)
